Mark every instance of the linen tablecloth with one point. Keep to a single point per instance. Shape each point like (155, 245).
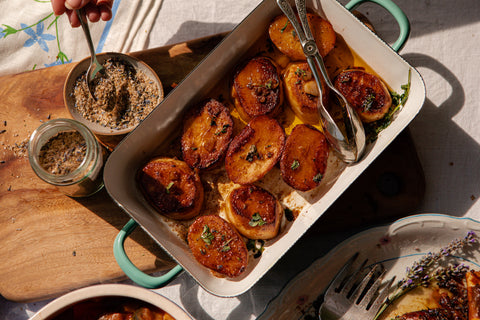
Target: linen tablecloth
(444, 46)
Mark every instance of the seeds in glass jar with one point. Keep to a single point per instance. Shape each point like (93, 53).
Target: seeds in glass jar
(63, 153)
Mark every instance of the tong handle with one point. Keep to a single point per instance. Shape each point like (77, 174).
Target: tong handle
(350, 147)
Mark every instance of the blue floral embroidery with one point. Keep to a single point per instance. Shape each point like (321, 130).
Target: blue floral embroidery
(37, 37)
(2, 33)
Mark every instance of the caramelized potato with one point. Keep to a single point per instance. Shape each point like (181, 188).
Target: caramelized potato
(365, 92)
(255, 150)
(304, 159)
(171, 187)
(473, 293)
(302, 92)
(284, 37)
(254, 212)
(217, 245)
(207, 132)
(257, 89)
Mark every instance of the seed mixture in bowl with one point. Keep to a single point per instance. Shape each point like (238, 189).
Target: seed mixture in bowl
(124, 96)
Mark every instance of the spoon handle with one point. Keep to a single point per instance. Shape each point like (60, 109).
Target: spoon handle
(83, 21)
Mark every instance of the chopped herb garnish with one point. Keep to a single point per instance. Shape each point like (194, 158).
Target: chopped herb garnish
(194, 148)
(372, 129)
(225, 246)
(284, 27)
(295, 165)
(300, 72)
(269, 84)
(207, 236)
(168, 187)
(213, 123)
(256, 220)
(318, 177)
(224, 129)
(252, 153)
(369, 100)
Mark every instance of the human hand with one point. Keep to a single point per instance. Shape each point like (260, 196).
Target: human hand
(94, 9)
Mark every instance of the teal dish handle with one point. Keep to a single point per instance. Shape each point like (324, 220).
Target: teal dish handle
(138, 276)
(397, 14)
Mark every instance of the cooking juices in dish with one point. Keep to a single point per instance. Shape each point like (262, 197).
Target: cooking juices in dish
(258, 148)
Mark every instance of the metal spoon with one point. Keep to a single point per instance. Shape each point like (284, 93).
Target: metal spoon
(352, 147)
(95, 66)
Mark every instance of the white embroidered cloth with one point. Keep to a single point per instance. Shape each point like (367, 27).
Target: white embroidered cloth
(31, 37)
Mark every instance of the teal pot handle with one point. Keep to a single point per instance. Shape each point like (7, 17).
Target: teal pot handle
(397, 14)
(138, 276)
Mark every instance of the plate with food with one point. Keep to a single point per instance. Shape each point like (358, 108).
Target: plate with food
(230, 170)
(431, 257)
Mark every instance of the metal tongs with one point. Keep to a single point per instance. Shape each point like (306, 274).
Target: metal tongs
(350, 148)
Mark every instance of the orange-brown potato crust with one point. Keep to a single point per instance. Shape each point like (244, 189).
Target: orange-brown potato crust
(218, 246)
(255, 150)
(304, 159)
(304, 105)
(207, 132)
(171, 187)
(257, 88)
(248, 201)
(365, 92)
(283, 36)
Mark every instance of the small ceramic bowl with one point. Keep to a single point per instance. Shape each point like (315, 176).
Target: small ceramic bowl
(81, 67)
(108, 291)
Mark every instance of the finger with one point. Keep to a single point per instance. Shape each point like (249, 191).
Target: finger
(93, 12)
(72, 16)
(58, 7)
(105, 13)
(107, 3)
(76, 4)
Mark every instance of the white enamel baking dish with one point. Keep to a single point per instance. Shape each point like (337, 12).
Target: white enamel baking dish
(165, 120)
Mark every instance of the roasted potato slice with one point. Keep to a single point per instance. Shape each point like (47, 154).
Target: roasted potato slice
(257, 89)
(365, 92)
(284, 37)
(302, 92)
(304, 159)
(254, 212)
(217, 245)
(473, 293)
(207, 132)
(255, 150)
(171, 187)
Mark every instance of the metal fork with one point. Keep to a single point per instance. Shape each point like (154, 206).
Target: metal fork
(355, 296)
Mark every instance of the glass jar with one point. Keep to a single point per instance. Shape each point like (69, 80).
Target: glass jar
(81, 180)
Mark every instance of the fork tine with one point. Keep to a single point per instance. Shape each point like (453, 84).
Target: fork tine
(382, 296)
(354, 278)
(340, 279)
(372, 292)
(359, 290)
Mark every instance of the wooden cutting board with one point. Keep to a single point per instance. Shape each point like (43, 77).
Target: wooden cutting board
(51, 243)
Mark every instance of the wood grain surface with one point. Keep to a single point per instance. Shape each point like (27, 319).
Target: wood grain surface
(51, 243)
